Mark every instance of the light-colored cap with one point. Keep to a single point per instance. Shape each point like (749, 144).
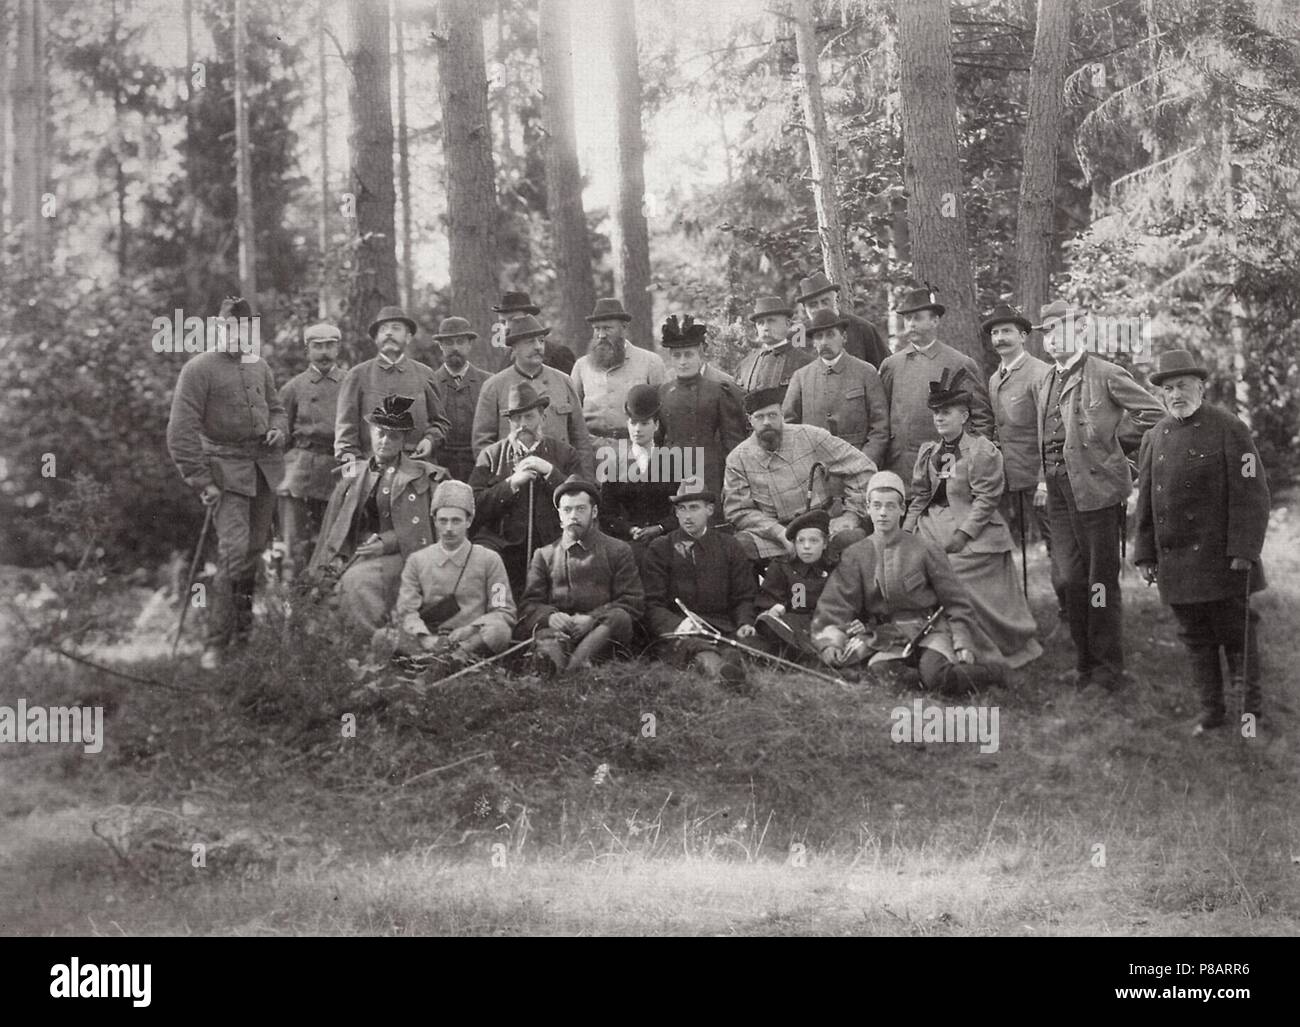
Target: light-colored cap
(887, 480)
(453, 493)
(321, 332)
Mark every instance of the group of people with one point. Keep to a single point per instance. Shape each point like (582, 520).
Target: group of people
(831, 502)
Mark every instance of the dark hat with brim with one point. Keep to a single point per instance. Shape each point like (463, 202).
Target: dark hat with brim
(945, 392)
(1175, 362)
(608, 309)
(392, 314)
(920, 299)
(824, 321)
(235, 306)
(1004, 314)
(680, 335)
(814, 285)
(688, 492)
(524, 397)
(773, 395)
(1058, 309)
(526, 327)
(394, 413)
(572, 484)
(454, 328)
(770, 306)
(819, 519)
(517, 303)
(642, 402)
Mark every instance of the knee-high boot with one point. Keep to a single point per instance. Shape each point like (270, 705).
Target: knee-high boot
(1208, 678)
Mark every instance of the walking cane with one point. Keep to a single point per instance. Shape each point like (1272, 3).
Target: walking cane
(1024, 530)
(189, 581)
(1245, 659)
(528, 544)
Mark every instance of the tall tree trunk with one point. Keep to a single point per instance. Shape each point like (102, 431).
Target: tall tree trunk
(471, 181)
(932, 169)
(119, 172)
(370, 142)
(244, 163)
(1035, 219)
(323, 215)
(563, 178)
(821, 156)
(4, 110)
(503, 87)
(194, 270)
(631, 237)
(29, 131)
(403, 159)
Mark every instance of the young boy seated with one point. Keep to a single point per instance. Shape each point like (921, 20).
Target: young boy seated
(792, 586)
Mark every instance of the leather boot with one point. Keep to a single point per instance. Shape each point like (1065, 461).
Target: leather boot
(243, 599)
(1208, 679)
(593, 645)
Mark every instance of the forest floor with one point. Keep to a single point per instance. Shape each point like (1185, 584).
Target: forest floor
(639, 799)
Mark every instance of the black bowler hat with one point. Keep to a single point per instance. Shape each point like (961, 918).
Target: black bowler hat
(642, 402)
(689, 491)
(573, 483)
(1173, 362)
(1004, 314)
(394, 413)
(523, 397)
(516, 303)
(920, 299)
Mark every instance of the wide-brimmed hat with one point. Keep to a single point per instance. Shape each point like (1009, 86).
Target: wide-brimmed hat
(608, 309)
(946, 392)
(814, 285)
(642, 402)
(920, 299)
(516, 303)
(766, 306)
(689, 491)
(454, 328)
(453, 493)
(823, 321)
(819, 519)
(679, 334)
(886, 480)
(392, 314)
(526, 327)
(1173, 362)
(394, 413)
(523, 397)
(234, 306)
(574, 483)
(1005, 313)
(322, 332)
(760, 398)
(1058, 309)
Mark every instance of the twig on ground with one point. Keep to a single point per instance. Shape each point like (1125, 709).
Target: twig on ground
(436, 770)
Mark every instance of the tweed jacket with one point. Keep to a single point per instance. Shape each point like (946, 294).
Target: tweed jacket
(1203, 499)
(369, 384)
(1094, 400)
(713, 577)
(501, 516)
(402, 495)
(1015, 413)
(596, 576)
(846, 399)
(762, 368)
(310, 400)
(563, 418)
(975, 485)
(460, 399)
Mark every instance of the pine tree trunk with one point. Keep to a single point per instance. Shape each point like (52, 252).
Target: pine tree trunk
(471, 181)
(5, 105)
(821, 155)
(630, 238)
(323, 215)
(1035, 219)
(29, 131)
(194, 258)
(563, 178)
(244, 162)
(936, 213)
(403, 159)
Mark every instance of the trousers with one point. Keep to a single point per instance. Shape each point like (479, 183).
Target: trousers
(243, 525)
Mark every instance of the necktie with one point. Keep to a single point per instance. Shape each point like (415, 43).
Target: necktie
(1002, 374)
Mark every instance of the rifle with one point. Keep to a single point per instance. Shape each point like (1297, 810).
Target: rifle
(926, 628)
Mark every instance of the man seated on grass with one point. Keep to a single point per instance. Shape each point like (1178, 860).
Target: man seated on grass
(710, 573)
(793, 585)
(884, 591)
(455, 600)
(583, 593)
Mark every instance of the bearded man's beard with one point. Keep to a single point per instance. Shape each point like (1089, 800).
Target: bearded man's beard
(769, 438)
(607, 354)
(455, 362)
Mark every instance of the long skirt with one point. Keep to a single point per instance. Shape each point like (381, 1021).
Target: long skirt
(368, 590)
(1006, 627)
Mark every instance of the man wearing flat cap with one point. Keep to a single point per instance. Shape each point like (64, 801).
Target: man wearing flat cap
(776, 357)
(906, 377)
(459, 383)
(376, 518)
(310, 400)
(224, 434)
(839, 392)
(514, 305)
(770, 474)
(1203, 505)
(513, 480)
(392, 372)
(610, 367)
(861, 338)
(562, 417)
(584, 593)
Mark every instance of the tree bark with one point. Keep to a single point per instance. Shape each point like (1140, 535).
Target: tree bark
(563, 178)
(194, 258)
(630, 237)
(29, 131)
(1035, 220)
(243, 163)
(821, 155)
(403, 159)
(323, 215)
(370, 140)
(932, 174)
(471, 180)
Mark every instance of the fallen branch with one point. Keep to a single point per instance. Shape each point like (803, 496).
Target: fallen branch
(437, 770)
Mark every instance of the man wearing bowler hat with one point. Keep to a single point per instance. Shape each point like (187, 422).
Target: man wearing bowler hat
(460, 383)
(776, 357)
(513, 479)
(392, 372)
(861, 338)
(1203, 505)
(839, 392)
(518, 304)
(907, 374)
(611, 366)
(563, 410)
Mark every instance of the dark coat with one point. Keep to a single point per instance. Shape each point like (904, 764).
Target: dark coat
(625, 505)
(783, 576)
(699, 412)
(715, 581)
(456, 452)
(760, 370)
(558, 356)
(601, 579)
(1198, 508)
(863, 340)
(500, 515)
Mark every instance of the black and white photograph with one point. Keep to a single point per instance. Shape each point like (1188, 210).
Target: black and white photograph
(651, 468)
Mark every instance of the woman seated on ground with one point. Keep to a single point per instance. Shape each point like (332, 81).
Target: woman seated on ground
(957, 484)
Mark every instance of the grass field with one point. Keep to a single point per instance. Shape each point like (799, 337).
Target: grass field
(507, 806)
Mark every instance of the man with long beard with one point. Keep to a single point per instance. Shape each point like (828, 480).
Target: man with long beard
(610, 367)
(460, 383)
